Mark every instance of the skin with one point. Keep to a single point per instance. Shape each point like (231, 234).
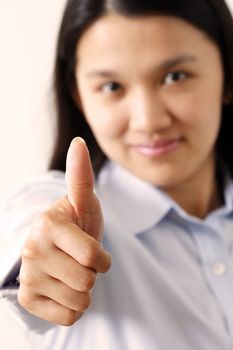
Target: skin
(141, 96)
(146, 79)
(61, 255)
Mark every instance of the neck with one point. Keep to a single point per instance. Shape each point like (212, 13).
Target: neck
(198, 195)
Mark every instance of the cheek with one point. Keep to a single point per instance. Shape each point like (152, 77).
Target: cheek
(197, 110)
(200, 117)
(185, 108)
(106, 122)
(204, 107)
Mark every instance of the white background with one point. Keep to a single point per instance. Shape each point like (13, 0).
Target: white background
(27, 37)
(27, 42)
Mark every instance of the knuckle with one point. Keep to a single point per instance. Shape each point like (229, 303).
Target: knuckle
(108, 263)
(25, 299)
(84, 185)
(87, 281)
(29, 250)
(83, 302)
(38, 237)
(44, 221)
(86, 300)
(24, 281)
(26, 278)
(69, 317)
(90, 254)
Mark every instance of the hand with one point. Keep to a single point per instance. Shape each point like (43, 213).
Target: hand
(62, 255)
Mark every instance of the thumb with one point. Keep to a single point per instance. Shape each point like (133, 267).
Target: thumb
(79, 176)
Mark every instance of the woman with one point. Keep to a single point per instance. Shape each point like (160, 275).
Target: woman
(148, 85)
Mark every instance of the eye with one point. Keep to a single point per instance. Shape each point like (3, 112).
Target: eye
(174, 77)
(110, 87)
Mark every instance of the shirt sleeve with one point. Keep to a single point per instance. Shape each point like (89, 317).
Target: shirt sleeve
(16, 214)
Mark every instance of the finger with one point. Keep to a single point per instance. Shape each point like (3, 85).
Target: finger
(47, 309)
(56, 290)
(79, 176)
(59, 266)
(47, 237)
(64, 268)
(81, 247)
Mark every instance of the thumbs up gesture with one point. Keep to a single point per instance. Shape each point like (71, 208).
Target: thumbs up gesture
(62, 254)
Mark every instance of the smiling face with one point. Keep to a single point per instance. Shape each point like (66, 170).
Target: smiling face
(151, 90)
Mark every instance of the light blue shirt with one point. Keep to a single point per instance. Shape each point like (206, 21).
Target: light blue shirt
(171, 282)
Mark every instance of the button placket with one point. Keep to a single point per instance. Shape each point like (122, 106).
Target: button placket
(219, 268)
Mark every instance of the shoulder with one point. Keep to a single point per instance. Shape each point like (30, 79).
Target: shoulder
(49, 184)
(31, 197)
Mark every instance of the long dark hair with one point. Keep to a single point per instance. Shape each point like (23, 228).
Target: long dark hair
(211, 16)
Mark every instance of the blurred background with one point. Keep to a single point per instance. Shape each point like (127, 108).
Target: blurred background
(28, 32)
(27, 35)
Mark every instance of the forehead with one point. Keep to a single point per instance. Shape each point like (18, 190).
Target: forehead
(116, 38)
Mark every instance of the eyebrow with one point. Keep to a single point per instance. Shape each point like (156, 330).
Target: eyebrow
(165, 65)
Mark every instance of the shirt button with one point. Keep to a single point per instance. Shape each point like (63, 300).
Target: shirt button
(219, 269)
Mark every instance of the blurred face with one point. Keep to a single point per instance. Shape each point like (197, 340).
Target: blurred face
(151, 90)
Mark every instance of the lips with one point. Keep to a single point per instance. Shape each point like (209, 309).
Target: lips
(157, 148)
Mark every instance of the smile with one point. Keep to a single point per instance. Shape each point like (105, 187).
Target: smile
(158, 148)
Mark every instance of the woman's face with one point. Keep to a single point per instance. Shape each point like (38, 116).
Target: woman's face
(151, 90)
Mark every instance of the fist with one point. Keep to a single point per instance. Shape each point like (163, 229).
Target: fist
(62, 254)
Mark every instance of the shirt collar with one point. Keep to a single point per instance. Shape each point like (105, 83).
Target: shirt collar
(137, 203)
(141, 205)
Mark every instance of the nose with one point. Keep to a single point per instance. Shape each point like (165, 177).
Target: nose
(148, 112)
